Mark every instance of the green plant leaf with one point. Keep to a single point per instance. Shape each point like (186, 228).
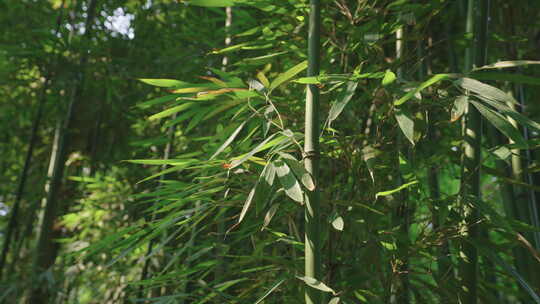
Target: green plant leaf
(259, 147)
(342, 100)
(314, 283)
(459, 108)
(385, 193)
(510, 77)
(166, 83)
(211, 3)
(299, 171)
(289, 182)
(171, 111)
(270, 290)
(334, 300)
(406, 124)
(485, 91)
(229, 140)
(507, 64)
(284, 77)
(433, 80)
(501, 123)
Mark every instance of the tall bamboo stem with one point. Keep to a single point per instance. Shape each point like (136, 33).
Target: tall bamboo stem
(44, 258)
(311, 150)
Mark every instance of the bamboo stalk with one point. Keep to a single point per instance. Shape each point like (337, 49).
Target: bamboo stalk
(12, 227)
(470, 187)
(43, 258)
(311, 150)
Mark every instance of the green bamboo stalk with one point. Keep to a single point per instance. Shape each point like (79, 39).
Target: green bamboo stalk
(12, 228)
(44, 257)
(311, 150)
(470, 187)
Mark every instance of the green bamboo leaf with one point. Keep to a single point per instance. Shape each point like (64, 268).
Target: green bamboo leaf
(197, 119)
(237, 162)
(247, 204)
(171, 111)
(269, 291)
(166, 83)
(211, 3)
(314, 283)
(231, 48)
(229, 140)
(158, 100)
(270, 214)
(406, 124)
(510, 77)
(485, 91)
(507, 64)
(501, 123)
(288, 75)
(389, 77)
(433, 80)
(342, 100)
(337, 221)
(334, 300)
(289, 182)
(459, 108)
(506, 110)
(385, 193)
(171, 162)
(299, 171)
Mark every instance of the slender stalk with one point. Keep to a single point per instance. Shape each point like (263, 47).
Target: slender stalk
(13, 220)
(44, 256)
(311, 150)
(470, 187)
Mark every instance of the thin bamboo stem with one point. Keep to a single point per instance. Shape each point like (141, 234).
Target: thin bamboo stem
(311, 150)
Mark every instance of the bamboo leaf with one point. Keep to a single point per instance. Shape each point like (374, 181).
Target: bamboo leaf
(368, 154)
(262, 78)
(269, 215)
(155, 101)
(166, 83)
(171, 111)
(314, 283)
(259, 147)
(507, 64)
(510, 77)
(229, 140)
(459, 108)
(342, 100)
(406, 124)
(334, 300)
(385, 193)
(485, 90)
(269, 291)
(288, 75)
(433, 80)
(337, 221)
(247, 204)
(211, 3)
(288, 181)
(299, 171)
(501, 123)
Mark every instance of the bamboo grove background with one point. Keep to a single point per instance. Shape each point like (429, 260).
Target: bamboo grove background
(257, 151)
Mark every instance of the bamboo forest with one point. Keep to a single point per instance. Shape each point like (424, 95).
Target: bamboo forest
(270, 151)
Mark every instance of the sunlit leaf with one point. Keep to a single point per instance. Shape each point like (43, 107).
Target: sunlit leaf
(507, 64)
(299, 171)
(433, 80)
(389, 192)
(314, 283)
(284, 77)
(288, 181)
(406, 124)
(342, 100)
(229, 140)
(459, 108)
(389, 77)
(501, 123)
